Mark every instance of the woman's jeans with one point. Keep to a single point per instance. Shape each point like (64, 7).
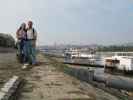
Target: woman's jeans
(25, 50)
(21, 45)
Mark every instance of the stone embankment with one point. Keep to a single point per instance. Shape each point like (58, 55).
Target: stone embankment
(47, 81)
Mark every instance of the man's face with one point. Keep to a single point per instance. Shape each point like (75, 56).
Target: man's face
(30, 24)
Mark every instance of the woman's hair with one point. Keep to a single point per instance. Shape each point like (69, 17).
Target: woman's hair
(21, 27)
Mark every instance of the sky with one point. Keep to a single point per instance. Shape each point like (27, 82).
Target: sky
(71, 21)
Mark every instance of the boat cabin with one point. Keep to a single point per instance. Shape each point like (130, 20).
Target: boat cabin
(120, 62)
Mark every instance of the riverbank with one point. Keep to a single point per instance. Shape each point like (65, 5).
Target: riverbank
(6, 50)
(9, 67)
(47, 82)
(80, 73)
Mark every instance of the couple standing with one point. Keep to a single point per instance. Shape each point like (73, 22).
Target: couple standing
(26, 43)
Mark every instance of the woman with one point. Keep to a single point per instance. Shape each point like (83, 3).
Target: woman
(21, 43)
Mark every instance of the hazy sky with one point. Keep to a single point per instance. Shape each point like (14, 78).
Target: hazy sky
(71, 21)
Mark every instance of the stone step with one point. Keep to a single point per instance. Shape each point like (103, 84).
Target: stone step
(9, 88)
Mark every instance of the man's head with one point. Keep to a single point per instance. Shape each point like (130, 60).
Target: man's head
(30, 24)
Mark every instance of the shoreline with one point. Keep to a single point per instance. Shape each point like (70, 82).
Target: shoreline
(7, 50)
(47, 73)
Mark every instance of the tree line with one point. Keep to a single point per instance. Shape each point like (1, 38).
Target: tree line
(6, 40)
(115, 48)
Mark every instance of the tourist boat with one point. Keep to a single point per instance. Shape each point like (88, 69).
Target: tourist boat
(119, 63)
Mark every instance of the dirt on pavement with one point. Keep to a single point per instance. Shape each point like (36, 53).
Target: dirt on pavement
(46, 82)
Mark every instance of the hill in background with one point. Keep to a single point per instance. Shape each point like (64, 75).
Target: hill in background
(6, 40)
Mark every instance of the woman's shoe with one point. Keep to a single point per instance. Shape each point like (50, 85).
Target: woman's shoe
(25, 66)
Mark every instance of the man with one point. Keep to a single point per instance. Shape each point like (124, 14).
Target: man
(31, 37)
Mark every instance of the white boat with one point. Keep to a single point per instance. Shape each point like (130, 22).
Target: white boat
(76, 53)
(71, 53)
(120, 62)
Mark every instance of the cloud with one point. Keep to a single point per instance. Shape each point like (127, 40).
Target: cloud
(88, 21)
(13, 13)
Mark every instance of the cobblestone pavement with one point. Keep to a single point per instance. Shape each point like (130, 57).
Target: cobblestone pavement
(45, 82)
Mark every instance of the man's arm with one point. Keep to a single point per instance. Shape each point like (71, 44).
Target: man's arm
(35, 34)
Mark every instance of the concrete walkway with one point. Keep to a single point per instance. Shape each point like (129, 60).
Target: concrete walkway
(45, 82)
